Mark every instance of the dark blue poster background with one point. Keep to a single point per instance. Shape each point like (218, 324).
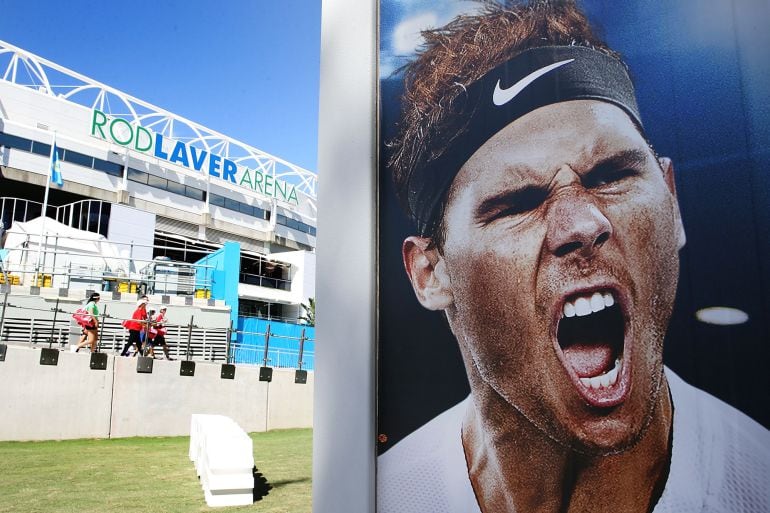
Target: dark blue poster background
(702, 73)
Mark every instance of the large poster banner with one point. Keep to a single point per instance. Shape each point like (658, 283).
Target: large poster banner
(574, 237)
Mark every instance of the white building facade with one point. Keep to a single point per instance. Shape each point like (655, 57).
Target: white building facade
(152, 182)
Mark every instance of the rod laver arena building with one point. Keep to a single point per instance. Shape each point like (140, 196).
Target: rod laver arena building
(191, 213)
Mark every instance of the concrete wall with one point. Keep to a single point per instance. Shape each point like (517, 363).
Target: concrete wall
(41, 402)
(72, 401)
(287, 405)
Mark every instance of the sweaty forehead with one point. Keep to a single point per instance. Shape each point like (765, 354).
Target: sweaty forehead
(576, 134)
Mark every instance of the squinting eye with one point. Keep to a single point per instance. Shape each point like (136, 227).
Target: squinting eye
(600, 178)
(526, 201)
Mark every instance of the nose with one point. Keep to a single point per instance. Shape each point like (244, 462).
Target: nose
(576, 226)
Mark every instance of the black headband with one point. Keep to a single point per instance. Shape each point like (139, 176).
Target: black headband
(535, 78)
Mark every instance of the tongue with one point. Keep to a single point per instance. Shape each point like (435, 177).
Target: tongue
(589, 360)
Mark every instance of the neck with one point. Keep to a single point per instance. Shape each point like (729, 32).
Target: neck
(514, 467)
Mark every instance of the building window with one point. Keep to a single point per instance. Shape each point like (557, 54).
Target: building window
(262, 309)
(78, 158)
(216, 199)
(245, 209)
(176, 188)
(156, 181)
(256, 270)
(108, 167)
(16, 142)
(41, 148)
(295, 224)
(137, 176)
(194, 193)
(239, 206)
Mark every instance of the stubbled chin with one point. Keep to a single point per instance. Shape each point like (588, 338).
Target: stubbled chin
(622, 427)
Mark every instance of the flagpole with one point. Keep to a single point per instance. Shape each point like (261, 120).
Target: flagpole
(124, 186)
(45, 208)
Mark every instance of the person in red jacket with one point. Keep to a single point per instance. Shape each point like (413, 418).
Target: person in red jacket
(157, 333)
(136, 325)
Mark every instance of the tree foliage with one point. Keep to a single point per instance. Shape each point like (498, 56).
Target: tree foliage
(309, 316)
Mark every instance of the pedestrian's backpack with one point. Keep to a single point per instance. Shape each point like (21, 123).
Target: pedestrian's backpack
(83, 318)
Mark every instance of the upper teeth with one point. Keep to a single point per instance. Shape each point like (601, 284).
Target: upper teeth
(585, 305)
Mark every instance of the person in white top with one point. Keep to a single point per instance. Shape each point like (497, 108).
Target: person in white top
(548, 233)
(720, 462)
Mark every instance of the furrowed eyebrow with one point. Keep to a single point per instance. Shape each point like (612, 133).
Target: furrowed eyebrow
(523, 199)
(530, 196)
(620, 160)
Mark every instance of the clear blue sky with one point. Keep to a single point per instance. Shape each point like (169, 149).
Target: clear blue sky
(246, 68)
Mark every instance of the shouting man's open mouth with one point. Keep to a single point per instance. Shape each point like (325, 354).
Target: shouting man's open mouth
(591, 344)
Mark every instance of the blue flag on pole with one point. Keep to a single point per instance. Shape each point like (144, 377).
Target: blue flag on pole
(56, 167)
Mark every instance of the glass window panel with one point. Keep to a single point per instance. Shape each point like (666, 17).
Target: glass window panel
(94, 213)
(217, 200)
(192, 192)
(176, 188)
(41, 148)
(78, 158)
(137, 176)
(156, 181)
(13, 141)
(111, 168)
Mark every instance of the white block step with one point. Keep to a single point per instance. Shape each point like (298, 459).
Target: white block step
(223, 455)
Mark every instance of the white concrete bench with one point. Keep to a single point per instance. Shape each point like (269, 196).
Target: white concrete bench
(224, 460)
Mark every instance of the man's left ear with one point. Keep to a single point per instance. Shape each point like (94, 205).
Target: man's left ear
(668, 176)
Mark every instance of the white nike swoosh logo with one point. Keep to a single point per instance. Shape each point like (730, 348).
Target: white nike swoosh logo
(502, 96)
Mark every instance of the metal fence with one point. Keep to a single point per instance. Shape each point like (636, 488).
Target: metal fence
(54, 328)
(67, 267)
(273, 348)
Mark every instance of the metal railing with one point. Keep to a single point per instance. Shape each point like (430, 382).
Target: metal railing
(93, 216)
(87, 215)
(284, 358)
(267, 351)
(264, 281)
(78, 269)
(185, 341)
(270, 317)
(54, 327)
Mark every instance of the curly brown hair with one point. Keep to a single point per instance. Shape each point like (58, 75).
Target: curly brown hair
(457, 55)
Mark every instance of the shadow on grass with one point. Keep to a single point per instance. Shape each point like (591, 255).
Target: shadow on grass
(261, 486)
(279, 484)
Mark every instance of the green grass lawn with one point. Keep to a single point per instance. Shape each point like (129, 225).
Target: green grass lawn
(143, 475)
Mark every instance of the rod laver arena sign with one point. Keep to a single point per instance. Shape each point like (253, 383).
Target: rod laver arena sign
(135, 137)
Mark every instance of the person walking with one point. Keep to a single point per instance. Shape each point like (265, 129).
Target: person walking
(157, 333)
(135, 326)
(90, 332)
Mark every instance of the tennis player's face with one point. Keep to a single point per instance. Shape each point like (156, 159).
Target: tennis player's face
(561, 248)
